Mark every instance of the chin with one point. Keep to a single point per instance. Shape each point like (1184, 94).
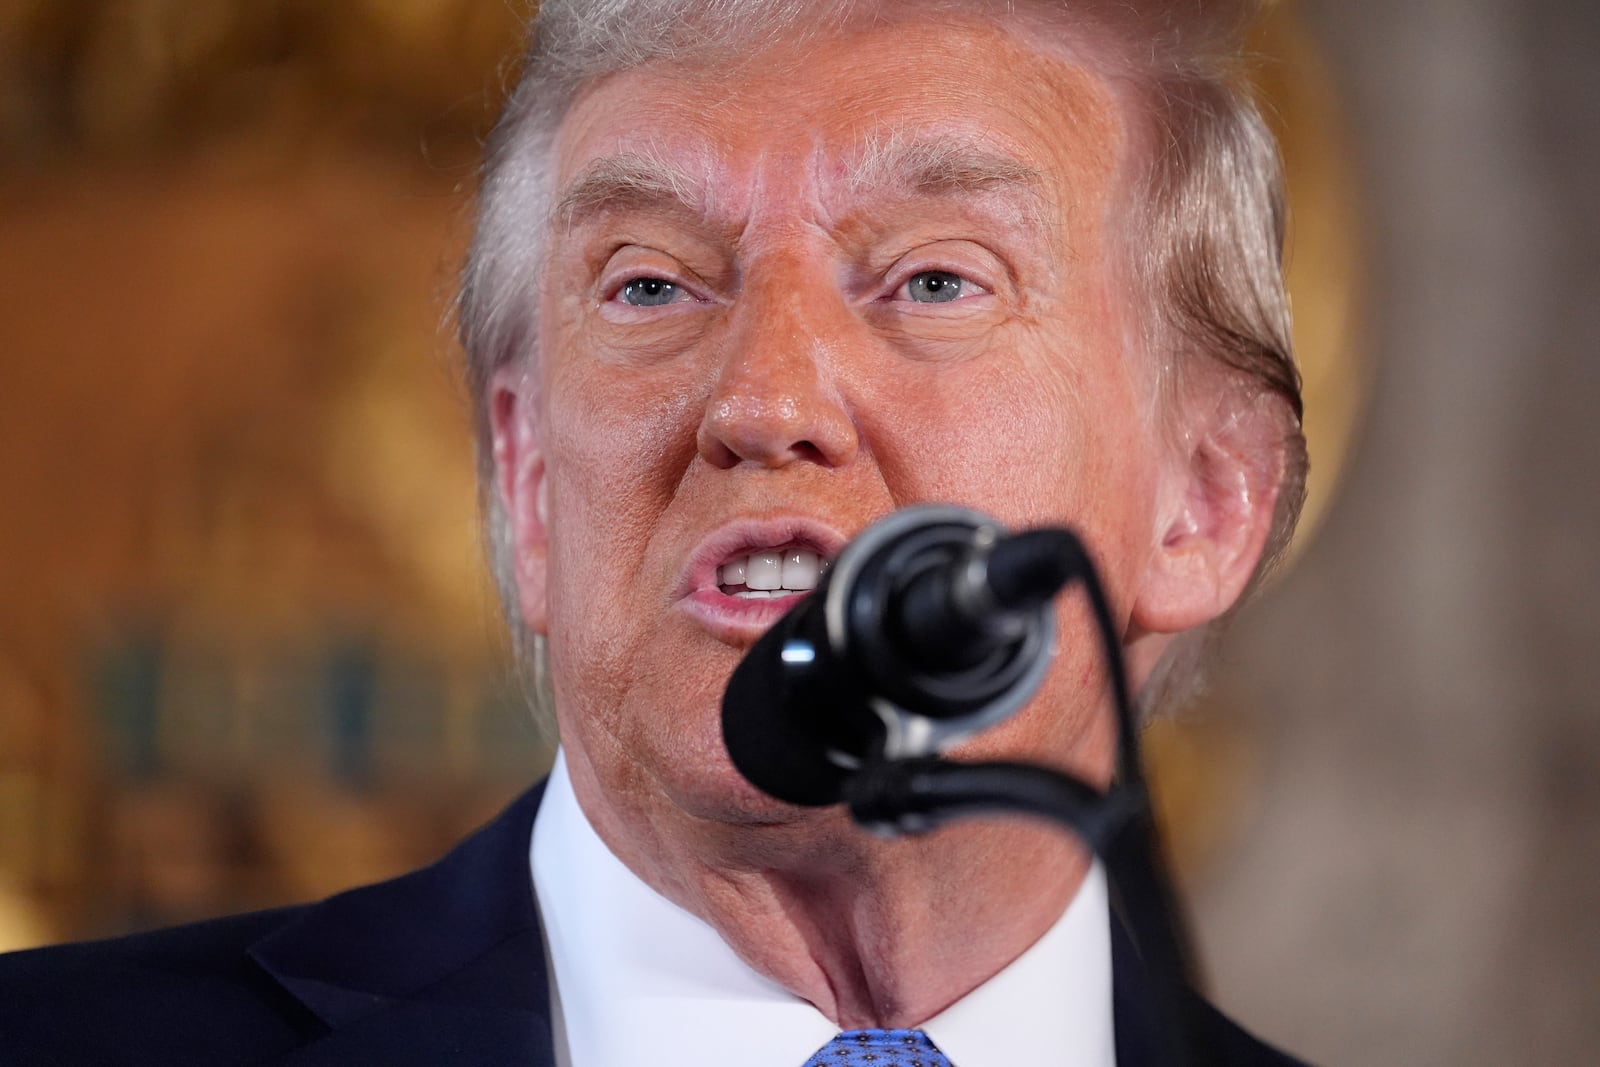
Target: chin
(707, 787)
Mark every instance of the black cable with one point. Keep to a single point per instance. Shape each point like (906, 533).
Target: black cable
(918, 795)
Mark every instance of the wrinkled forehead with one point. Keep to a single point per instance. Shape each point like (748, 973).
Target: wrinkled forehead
(963, 104)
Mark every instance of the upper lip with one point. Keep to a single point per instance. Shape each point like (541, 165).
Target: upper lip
(743, 536)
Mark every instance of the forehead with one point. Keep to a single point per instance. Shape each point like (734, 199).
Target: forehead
(960, 101)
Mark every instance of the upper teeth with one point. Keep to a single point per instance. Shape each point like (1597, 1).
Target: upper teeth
(773, 572)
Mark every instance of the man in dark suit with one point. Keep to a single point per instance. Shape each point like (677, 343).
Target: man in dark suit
(747, 278)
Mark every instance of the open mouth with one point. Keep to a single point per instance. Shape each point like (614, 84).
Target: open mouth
(770, 573)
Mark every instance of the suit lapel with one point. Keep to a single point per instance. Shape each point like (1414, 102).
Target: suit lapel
(420, 1034)
(443, 965)
(446, 965)
(1212, 1037)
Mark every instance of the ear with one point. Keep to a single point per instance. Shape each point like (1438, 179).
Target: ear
(1215, 509)
(519, 472)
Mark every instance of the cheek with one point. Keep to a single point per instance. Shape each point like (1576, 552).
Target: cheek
(617, 440)
(1031, 432)
(998, 440)
(616, 450)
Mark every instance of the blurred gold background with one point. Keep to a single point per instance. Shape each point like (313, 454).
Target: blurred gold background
(247, 653)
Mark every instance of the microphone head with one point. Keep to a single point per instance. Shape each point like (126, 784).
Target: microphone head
(780, 721)
(836, 685)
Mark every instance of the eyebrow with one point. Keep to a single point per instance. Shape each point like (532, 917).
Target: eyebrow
(939, 165)
(631, 180)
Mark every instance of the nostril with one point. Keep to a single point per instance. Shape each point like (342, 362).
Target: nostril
(715, 451)
(808, 451)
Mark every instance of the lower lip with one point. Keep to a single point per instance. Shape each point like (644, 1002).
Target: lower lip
(737, 620)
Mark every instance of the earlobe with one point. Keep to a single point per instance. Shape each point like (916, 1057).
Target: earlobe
(1215, 514)
(519, 472)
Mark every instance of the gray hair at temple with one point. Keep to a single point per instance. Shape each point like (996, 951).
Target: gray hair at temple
(1202, 217)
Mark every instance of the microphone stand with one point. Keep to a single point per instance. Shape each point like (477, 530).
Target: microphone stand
(913, 796)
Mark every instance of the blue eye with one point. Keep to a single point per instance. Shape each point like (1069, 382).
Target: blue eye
(934, 286)
(649, 292)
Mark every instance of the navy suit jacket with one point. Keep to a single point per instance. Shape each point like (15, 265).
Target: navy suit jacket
(441, 966)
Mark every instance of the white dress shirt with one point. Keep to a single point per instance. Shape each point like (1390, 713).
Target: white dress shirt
(635, 979)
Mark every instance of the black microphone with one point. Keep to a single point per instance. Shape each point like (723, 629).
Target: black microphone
(932, 625)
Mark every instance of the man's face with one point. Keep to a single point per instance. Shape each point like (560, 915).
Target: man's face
(784, 302)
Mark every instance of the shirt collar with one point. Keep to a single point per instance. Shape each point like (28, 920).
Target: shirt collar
(640, 980)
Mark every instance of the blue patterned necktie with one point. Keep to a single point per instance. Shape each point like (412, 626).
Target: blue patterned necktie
(879, 1048)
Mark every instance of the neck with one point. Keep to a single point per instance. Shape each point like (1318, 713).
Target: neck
(874, 933)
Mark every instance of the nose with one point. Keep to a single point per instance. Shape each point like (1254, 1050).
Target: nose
(776, 399)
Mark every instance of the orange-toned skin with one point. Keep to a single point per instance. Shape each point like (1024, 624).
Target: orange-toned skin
(794, 380)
